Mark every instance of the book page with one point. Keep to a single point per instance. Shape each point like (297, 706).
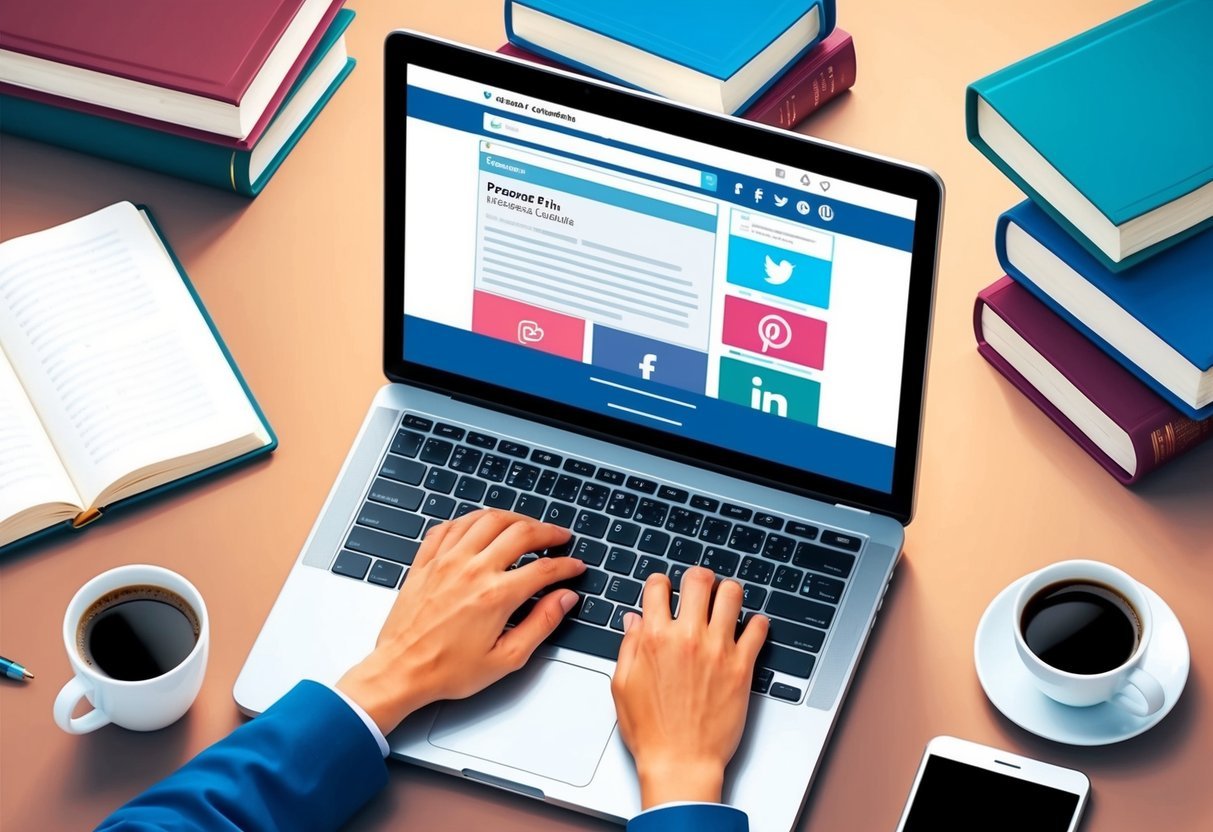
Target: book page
(35, 491)
(119, 364)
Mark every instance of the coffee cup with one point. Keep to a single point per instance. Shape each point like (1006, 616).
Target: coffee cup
(1082, 629)
(137, 638)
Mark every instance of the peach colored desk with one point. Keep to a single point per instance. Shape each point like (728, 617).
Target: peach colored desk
(293, 281)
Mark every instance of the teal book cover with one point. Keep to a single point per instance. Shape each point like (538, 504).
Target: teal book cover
(1124, 112)
(198, 161)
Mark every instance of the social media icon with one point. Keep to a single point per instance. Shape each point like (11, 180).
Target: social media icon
(825, 186)
(764, 400)
(708, 180)
(803, 207)
(647, 365)
(758, 194)
(780, 201)
(825, 212)
(487, 95)
(778, 273)
(494, 124)
(780, 173)
(804, 179)
(529, 332)
(737, 189)
(774, 332)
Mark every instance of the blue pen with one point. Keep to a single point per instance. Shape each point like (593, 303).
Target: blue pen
(13, 670)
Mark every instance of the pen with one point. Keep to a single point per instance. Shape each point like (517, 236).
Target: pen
(13, 670)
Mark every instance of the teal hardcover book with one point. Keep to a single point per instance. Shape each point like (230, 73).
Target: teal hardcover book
(244, 171)
(115, 385)
(1111, 131)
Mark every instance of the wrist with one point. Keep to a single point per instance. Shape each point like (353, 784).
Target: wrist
(678, 779)
(383, 690)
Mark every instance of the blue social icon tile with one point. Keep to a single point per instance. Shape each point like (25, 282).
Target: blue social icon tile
(779, 272)
(649, 360)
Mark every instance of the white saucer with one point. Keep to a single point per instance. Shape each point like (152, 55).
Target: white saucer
(1010, 687)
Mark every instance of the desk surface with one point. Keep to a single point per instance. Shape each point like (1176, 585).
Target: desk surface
(293, 282)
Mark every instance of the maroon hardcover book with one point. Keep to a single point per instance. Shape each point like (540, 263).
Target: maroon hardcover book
(826, 71)
(212, 49)
(1158, 431)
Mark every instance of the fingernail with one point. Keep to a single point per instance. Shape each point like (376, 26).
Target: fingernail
(568, 600)
(629, 619)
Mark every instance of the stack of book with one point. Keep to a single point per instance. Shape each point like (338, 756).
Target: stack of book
(774, 62)
(216, 91)
(1105, 317)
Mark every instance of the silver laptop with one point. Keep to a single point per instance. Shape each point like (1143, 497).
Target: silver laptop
(688, 338)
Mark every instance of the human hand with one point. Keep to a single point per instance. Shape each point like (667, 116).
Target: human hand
(444, 637)
(682, 686)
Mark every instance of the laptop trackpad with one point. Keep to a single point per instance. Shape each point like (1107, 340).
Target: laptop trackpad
(550, 718)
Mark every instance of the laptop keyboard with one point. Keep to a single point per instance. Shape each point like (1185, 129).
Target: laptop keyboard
(624, 528)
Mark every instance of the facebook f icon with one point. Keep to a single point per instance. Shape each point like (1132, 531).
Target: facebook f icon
(647, 365)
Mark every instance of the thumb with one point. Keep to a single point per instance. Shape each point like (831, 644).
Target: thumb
(517, 645)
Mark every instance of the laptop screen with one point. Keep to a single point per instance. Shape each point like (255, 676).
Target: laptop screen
(654, 278)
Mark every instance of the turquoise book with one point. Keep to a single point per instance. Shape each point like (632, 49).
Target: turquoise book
(245, 172)
(1111, 131)
(720, 55)
(115, 385)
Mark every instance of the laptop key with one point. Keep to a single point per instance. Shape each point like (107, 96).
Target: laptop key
(786, 661)
(778, 547)
(522, 476)
(590, 582)
(436, 451)
(648, 566)
(755, 570)
(752, 596)
(653, 542)
(466, 460)
(715, 530)
(747, 539)
(546, 458)
(677, 570)
(481, 440)
(449, 431)
(561, 550)
(403, 523)
(641, 484)
(407, 443)
(434, 521)
(684, 521)
(761, 682)
(436, 505)
(586, 638)
(620, 561)
(822, 588)
(608, 476)
(566, 488)
(685, 551)
(796, 635)
(579, 467)
(593, 496)
(623, 591)
(465, 508)
(402, 470)
(781, 691)
(651, 512)
(843, 541)
(622, 504)
(768, 521)
(720, 561)
(734, 512)
(531, 506)
(821, 559)
(595, 610)
(441, 480)
(498, 496)
(419, 422)
(617, 618)
(470, 488)
(560, 514)
(493, 468)
(385, 573)
(352, 565)
(787, 578)
(595, 525)
(590, 551)
(705, 503)
(513, 449)
(800, 610)
(395, 494)
(371, 542)
(546, 481)
(623, 533)
(801, 529)
(674, 495)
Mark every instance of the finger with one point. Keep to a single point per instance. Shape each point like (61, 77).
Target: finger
(752, 638)
(431, 544)
(522, 536)
(516, 646)
(725, 609)
(696, 594)
(491, 523)
(527, 580)
(656, 600)
(632, 627)
(455, 529)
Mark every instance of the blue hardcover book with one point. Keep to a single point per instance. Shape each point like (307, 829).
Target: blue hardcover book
(243, 171)
(1111, 131)
(1156, 318)
(720, 55)
(115, 386)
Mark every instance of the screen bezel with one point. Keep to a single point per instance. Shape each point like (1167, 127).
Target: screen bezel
(794, 150)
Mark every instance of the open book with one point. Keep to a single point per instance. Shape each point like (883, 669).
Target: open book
(112, 381)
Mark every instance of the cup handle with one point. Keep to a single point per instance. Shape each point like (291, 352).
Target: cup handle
(1151, 694)
(66, 702)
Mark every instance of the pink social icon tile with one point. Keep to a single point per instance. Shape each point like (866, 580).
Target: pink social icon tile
(530, 326)
(775, 333)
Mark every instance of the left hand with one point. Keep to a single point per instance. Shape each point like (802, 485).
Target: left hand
(445, 638)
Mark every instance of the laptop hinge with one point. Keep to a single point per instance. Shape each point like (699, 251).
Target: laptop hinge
(852, 508)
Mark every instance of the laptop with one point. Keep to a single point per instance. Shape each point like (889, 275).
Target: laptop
(688, 338)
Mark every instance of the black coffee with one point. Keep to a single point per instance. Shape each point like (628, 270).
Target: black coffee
(137, 632)
(1080, 627)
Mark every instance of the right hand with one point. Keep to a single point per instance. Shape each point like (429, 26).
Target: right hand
(682, 686)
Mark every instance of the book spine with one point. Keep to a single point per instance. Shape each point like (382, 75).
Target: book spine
(796, 98)
(1158, 443)
(209, 164)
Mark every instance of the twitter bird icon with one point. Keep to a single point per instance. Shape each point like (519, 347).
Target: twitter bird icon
(778, 273)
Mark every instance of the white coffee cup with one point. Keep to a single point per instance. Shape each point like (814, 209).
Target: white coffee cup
(1115, 685)
(145, 705)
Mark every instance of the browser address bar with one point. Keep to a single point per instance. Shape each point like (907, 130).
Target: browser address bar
(556, 140)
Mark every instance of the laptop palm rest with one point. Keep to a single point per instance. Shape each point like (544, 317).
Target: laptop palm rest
(551, 718)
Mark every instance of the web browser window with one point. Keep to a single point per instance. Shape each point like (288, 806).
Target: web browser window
(656, 279)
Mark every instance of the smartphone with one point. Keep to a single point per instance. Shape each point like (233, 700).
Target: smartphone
(963, 785)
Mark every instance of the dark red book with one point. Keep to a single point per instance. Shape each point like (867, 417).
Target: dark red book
(209, 67)
(826, 71)
(1127, 427)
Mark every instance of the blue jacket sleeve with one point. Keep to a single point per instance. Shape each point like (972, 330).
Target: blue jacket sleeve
(692, 817)
(307, 763)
